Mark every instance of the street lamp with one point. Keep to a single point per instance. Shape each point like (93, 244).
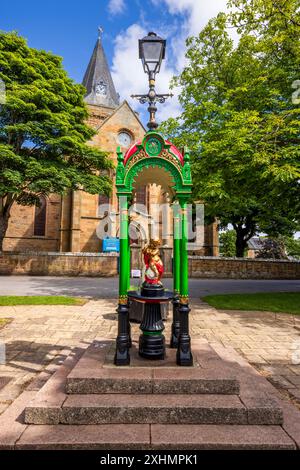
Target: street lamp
(152, 50)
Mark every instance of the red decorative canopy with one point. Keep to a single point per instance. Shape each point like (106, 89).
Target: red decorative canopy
(135, 147)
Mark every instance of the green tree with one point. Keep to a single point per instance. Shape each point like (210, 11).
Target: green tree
(227, 243)
(292, 247)
(43, 133)
(240, 122)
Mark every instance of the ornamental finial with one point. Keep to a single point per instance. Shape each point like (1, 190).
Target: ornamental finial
(100, 32)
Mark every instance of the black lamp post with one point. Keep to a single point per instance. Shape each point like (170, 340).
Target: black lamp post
(152, 50)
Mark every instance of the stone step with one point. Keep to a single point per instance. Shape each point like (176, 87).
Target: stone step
(141, 381)
(158, 409)
(156, 437)
(95, 373)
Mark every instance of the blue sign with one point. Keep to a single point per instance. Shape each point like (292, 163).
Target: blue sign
(111, 245)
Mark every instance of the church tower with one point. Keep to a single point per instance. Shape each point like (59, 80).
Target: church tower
(98, 81)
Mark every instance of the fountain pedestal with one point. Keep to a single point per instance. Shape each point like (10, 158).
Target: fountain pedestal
(152, 340)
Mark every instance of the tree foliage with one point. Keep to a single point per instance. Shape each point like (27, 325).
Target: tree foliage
(43, 133)
(292, 247)
(227, 243)
(239, 118)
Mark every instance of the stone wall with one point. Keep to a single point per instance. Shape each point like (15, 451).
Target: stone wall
(59, 264)
(247, 268)
(91, 264)
(20, 233)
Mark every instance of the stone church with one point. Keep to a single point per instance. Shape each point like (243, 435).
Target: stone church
(68, 223)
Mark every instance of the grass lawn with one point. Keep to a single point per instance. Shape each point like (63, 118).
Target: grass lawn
(287, 302)
(6, 300)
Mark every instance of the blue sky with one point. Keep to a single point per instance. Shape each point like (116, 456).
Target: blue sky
(69, 28)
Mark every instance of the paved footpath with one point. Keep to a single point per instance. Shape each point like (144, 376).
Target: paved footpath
(40, 337)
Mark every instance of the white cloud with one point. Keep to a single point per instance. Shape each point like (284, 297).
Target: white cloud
(195, 15)
(116, 6)
(127, 71)
(129, 77)
(197, 12)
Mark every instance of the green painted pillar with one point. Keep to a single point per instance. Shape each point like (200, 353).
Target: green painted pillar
(175, 329)
(123, 275)
(176, 248)
(128, 263)
(128, 278)
(123, 343)
(184, 354)
(184, 267)
(129, 202)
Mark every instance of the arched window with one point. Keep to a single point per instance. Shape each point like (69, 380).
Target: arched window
(141, 195)
(40, 218)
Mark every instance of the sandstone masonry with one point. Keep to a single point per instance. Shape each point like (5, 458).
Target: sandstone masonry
(102, 265)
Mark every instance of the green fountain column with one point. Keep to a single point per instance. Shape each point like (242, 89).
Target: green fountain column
(184, 354)
(176, 248)
(129, 279)
(122, 356)
(175, 329)
(123, 278)
(184, 274)
(128, 262)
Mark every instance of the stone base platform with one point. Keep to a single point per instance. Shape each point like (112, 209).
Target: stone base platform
(96, 373)
(88, 403)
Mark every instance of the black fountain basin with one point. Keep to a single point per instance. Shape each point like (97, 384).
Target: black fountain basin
(164, 296)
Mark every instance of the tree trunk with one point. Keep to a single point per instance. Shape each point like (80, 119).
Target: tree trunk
(240, 245)
(5, 207)
(244, 228)
(3, 228)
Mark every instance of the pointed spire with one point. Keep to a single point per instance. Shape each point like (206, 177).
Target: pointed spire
(97, 79)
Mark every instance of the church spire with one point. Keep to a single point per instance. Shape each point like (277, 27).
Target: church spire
(97, 79)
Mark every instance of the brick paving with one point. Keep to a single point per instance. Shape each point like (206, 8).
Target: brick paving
(40, 337)
(269, 341)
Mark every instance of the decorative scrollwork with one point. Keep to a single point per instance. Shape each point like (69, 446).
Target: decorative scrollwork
(140, 163)
(152, 98)
(169, 156)
(141, 98)
(138, 156)
(123, 300)
(162, 98)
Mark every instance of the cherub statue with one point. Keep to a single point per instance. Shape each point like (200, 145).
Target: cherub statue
(153, 262)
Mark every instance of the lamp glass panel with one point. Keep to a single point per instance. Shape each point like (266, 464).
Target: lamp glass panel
(152, 51)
